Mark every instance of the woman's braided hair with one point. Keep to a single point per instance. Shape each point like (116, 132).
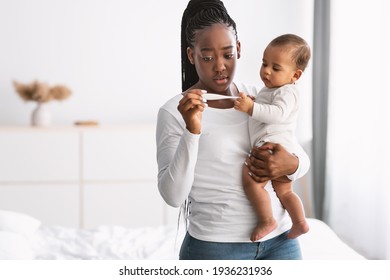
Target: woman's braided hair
(198, 15)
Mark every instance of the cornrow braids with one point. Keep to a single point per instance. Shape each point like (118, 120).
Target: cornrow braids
(198, 15)
(301, 53)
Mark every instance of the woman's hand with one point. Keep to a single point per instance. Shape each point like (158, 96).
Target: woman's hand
(191, 107)
(271, 161)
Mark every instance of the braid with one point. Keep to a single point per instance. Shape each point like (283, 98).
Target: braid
(198, 15)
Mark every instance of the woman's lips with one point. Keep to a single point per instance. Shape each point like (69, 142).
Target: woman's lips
(220, 79)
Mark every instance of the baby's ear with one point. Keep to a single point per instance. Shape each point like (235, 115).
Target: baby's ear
(297, 75)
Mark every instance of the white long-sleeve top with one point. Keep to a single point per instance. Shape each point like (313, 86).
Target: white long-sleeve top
(207, 170)
(274, 116)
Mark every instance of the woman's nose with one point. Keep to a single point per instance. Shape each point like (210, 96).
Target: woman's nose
(219, 65)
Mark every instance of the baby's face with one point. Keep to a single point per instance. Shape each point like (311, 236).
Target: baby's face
(278, 68)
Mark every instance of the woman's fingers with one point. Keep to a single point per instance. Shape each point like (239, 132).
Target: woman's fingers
(262, 162)
(192, 99)
(257, 169)
(273, 161)
(191, 107)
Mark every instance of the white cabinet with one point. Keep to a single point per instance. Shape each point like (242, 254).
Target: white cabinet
(54, 203)
(120, 154)
(36, 155)
(82, 176)
(120, 177)
(130, 204)
(39, 173)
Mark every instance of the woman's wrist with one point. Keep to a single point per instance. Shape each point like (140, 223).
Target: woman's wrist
(193, 130)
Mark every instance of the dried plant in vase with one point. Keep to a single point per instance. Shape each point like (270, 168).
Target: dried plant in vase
(41, 93)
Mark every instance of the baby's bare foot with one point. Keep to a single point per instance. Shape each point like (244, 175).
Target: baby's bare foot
(298, 229)
(262, 229)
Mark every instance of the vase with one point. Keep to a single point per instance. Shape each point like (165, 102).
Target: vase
(41, 115)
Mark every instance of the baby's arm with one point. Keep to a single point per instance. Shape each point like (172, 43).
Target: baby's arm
(244, 104)
(283, 103)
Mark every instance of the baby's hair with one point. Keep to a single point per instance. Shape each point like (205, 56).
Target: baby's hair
(198, 15)
(301, 50)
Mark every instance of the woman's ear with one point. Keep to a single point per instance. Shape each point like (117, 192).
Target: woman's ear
(238, 49)
(190, 55)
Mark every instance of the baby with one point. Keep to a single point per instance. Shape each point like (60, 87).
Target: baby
(273, 117)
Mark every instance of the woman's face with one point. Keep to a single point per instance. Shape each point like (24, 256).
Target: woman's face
(214, 54)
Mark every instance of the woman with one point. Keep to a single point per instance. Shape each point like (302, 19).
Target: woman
(201, 146)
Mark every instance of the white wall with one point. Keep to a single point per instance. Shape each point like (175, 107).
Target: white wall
(121, 58)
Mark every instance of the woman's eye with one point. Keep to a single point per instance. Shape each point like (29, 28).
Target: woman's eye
(229, 56)
(207, 58)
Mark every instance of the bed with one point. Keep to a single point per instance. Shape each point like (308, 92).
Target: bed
(25, 237)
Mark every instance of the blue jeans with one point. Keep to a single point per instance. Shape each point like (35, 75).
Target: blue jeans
(277, 248)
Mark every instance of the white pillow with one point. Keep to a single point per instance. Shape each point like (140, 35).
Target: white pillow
(15, 246)
(18, 223)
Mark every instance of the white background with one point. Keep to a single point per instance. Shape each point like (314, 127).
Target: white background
(121, 58)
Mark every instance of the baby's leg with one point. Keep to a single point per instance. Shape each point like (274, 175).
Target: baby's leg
(294, 207)
(261, 202)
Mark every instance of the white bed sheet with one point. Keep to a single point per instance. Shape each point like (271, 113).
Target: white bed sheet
(106, 243)
(160, 243)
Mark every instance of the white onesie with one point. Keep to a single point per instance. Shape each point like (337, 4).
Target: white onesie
(274, 116)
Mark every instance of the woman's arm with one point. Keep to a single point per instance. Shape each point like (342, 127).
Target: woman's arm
(177, 151)
(272, 161)
(177, 148)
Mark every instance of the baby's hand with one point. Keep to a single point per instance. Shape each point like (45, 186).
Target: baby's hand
(244, 104)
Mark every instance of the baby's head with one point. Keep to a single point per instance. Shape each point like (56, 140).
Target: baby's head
(284, 60)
